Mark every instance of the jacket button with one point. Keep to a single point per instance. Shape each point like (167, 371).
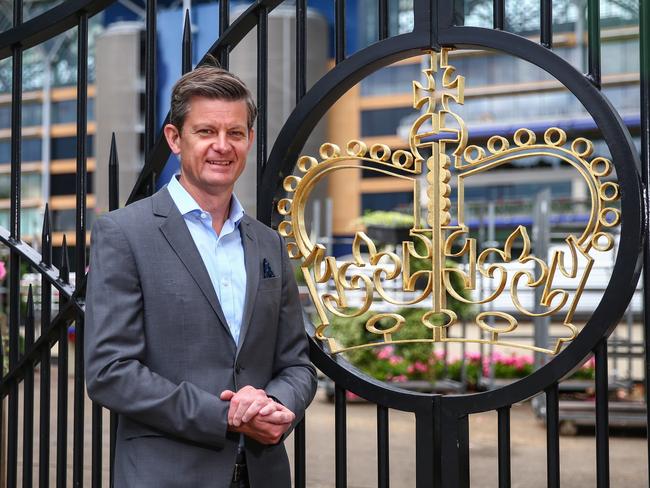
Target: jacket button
(238, 368)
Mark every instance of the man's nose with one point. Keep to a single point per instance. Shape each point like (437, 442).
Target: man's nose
(220, 143)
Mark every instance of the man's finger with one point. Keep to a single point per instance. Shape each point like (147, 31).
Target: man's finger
(227, 395)
(253, 410)
(279, 417)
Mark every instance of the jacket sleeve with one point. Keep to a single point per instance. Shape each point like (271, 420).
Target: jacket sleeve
(294, 377)
(115, 345)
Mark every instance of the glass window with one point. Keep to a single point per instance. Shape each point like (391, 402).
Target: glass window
(66, 147)
(402, 200)
(385, 121)
(30, 185)
(32, 114)
(32, 150)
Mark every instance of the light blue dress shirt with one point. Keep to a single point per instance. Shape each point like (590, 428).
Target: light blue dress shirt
(222, 254)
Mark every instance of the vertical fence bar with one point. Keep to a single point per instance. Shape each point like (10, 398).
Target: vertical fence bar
(427, 445)
(339, 31)
(300, 460)
(150, 87)
(262, 89)
(224, 22)
(45, 400)
(28, 394)
(546, 14)
(644, 69)
(113, 203)
(14, 260)
(187, 44)
(80, 247)
(552, 437)
(62, 380)
(383, 454)
(498, 13)
(383, 19)
(301, 58)
(602, 416)
(340, 434)
(593, 40)
(504, 446)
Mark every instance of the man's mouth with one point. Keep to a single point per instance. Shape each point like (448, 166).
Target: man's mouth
(215, 162)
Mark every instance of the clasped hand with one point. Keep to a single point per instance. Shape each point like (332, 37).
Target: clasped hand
(254, 414)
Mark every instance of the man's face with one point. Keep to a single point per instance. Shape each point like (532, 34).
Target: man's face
(212, 145)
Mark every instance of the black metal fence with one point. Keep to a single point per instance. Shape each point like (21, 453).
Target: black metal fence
(442, 438)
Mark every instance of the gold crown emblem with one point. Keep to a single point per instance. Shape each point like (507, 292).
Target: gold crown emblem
(440, 132)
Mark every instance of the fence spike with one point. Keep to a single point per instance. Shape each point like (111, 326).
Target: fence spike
(64, 269)
(29, 318)
(113, 176)
(187, 43)
(46, 237)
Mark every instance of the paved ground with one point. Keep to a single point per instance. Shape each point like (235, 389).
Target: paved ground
(628, 451)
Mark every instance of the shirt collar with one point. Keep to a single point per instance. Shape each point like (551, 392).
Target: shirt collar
(186, 203)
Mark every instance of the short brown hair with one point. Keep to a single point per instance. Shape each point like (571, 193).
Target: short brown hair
(209, 82)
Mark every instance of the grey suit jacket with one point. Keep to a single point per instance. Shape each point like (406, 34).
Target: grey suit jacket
(159, 352)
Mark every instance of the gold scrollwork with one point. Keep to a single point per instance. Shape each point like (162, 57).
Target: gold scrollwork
(379, 278)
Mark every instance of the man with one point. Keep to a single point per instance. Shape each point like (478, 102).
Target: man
(194, 332)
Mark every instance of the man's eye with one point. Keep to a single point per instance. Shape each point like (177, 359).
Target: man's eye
(237, 134)
(204, 131)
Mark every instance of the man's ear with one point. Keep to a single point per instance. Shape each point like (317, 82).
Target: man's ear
(173, 138)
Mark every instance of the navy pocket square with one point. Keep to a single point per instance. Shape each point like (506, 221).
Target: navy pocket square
(268, 272)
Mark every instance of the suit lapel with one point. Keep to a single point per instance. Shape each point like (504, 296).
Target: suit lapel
(179, 238)
(252, 260)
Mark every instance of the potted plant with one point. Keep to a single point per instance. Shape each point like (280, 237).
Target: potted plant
(387, 227)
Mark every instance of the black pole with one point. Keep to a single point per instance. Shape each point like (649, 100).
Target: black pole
(340, 438)
(498, 13)
(383, 451)
(113, 203)
(301, 58)
(28, 395)
(80, 248)
(46, 312)
(382, 18)
(224, 22)
(644, 32)
(150, 88)
(262, 90)
(14, 259)
(504, 447)
(300, 480)
(339, 31)
(62, 387)
(602, 416)
(187, 44)
(552, 437)
(546, 13)
(593, 36)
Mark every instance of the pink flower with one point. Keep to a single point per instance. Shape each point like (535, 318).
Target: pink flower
(410, 369)
(395, 360)
(420, 367)
(439, 354)
(400, 378)
(385, 352)
(3, 270)
(473, 356)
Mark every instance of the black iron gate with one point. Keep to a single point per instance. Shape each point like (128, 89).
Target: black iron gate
(442, 438)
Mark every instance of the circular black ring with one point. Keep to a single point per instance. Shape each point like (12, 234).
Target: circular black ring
(627, 267)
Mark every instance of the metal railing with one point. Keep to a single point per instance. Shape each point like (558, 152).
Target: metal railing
(442, 429)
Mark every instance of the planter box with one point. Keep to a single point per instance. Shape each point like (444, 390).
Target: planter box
(388, 235)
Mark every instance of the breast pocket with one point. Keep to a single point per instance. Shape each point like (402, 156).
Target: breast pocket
(270, 284)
